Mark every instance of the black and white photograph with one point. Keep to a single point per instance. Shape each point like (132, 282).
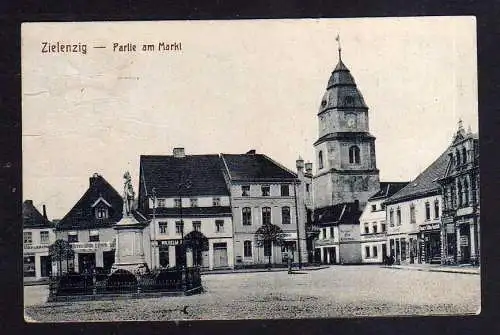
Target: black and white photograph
(250, 169)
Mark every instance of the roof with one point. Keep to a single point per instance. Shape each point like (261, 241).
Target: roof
(200, 174)
(32, 218)
(387, 189)
(255, 167)
(343, 213)
(426, 182)
(193, 211)
(82, 215)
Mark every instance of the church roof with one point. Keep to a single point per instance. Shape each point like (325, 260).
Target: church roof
(426, 182)
(341, 91)
(255, 167)
(82, 215)
(32, 218)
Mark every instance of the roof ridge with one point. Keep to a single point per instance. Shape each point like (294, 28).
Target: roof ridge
(279, 165)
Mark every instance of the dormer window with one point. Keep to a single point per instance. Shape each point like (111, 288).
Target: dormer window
(101, 213)
(194, 202)
(216, 202)
(266, 190)
(161, 203)
(245, 190)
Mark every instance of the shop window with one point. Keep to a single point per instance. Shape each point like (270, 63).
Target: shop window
(44, 237)
(285, 190)
(285, 215)
(197, 226)
(219, 226)
(266, 215)
(29, 266)
(247, 248)
(246, 213)
(162, 227)
(27, 237)
(266, 191)
(367, 252)
(245, 190)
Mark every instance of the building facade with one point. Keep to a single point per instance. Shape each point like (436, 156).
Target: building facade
(186, 198)
(88, 227)
(373, 225)
(460, 189)
(38, 235)
(264, 192)
(413, 215)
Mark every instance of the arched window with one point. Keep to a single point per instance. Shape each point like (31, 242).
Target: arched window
(458, 157)
(466, 193)
(459, 194)
(320, 159)
(436, 209)
(354, 155)
(464, 155)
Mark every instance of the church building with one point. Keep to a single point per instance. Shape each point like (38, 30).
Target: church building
(346, 171)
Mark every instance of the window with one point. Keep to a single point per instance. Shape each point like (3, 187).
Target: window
(436, 209)
(375, 251)
(466, 193)
(331, 233)
(307, 187)
(391, 217)
(245, 190)
(163, 226)
(324, 233)
(101, 213)
(266, 215)
(459, 161)
(375, 228)
(349, 100)
(427, 211)
(161, 203)
(412, 214)
(320, 159)
(459, 194)
(354, 155)
(367, 229)
(464, 155)
(266, 190)
(194, 202)
(398, 216)
(247, 249)
(72, 238)
(27, 237)
(179, 227)
(94, 237)
(177, 203)
(285, 215)
(367, 252)
(44, 237)
(246, 213)
(267, 248)
(219, 226)
(29, 266)
(216, 202)
(285, 190)
(197, 226)
(374, 208)
(382, 226)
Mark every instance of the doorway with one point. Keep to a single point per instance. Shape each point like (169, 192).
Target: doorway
(45, 266)
(220, 255)
(86, 262)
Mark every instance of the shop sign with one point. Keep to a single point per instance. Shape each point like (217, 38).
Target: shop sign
(464, 241)
(169, 242)
(289, 236)
(435, 226)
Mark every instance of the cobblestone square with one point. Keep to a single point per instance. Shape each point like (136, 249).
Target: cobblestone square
(335, 292)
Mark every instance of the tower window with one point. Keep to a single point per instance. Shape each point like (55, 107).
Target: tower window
(354, 155)
(349, 100)
(464, 155)
(320, 159)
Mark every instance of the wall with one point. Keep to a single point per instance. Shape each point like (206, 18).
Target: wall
(372, 239)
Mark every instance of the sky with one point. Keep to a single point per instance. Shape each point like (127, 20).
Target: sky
(234, 86)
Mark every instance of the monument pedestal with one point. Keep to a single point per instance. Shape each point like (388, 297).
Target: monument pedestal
(129, 254)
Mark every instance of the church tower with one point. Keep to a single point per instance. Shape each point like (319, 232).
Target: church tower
(346, 168)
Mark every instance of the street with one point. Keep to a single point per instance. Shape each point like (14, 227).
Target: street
(338, 291)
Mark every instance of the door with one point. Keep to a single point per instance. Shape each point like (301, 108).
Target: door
(45, 266)
(220, 255)
(86, 262)
(384, 252)
(108, 259)
(331, 251)
(204, 259)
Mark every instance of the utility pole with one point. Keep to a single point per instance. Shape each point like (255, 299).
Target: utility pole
(153, 246)
(297, 222)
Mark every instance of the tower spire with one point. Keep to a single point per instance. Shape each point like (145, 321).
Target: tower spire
(340, 49)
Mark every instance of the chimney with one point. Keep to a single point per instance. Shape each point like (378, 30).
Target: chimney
(251, 152)
(179, 153)
(309, 167)
(299, 163)
(93, 179)
(44, 212)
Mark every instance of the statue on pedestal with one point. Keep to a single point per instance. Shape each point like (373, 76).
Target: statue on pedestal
(128, 194)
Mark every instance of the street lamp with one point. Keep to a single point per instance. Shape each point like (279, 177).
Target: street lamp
(153, 263)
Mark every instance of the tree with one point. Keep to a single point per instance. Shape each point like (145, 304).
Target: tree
(269, 234)
(197, 242)
(61, 250)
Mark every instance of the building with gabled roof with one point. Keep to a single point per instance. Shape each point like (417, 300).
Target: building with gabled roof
(372, 225)
(414, 215)
(88, 226)
(186, 196)
(461, 205)
(265, 192)
(38, 235)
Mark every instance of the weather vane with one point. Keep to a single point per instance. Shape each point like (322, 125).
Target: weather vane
(338, 43)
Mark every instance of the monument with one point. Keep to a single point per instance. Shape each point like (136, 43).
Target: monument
(129, 254)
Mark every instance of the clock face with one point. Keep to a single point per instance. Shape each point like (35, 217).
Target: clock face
(351, 121)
